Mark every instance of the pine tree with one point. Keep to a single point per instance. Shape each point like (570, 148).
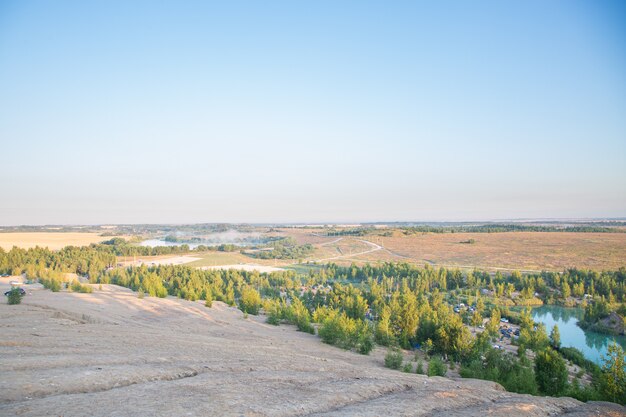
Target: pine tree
(550, 372)
(614, 374)
(555, 337)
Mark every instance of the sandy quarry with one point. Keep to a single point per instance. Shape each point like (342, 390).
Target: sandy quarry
(112, 354)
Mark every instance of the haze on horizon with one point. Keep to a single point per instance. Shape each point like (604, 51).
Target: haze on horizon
(169, 112)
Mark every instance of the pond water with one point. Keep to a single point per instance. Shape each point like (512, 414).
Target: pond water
(593, 345)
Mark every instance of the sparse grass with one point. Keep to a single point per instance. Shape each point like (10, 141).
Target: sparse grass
(219, 258)
(531, 251)
(215, 258)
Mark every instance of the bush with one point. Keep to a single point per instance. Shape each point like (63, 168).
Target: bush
(393, 359)
(436, 367)
(408, 368)
(52, 284)
(365, 345)
(340, 330)
(274, 311)
(15, 296)
(299, 315)
(420, 368)
(250, 301)
(514, 374)
(78, 287)
(576, 356)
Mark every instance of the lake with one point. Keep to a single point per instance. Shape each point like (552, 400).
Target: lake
(593, 345)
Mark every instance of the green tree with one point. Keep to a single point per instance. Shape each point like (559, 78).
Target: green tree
(250, 301)
(428, 347)
(420, 367)
(614, 374)
(383, 327)
(550, 372)
(555, 337)
(566, 291)
(229, 297)
(477, 319)
(436, 367)
(393, 359)
(208, 299)
(15, 296)
(273, 309)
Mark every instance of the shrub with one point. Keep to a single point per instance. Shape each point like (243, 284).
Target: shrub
(365, 345)
(408, 368)
(420, 368)
(299, 315)
(140, 294)
(393, 359)
(15, 296)
(52, 284)
(576, 356)
(274, 311)
(250, 301)
(78, 287)
(436, 367)
(340, 330)
(75, 286)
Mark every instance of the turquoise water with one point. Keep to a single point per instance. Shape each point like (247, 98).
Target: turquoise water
(593, 345)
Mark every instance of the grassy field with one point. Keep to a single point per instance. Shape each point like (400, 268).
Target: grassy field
(514, 250)
(526, 251)
(51, 240)
(232, 258)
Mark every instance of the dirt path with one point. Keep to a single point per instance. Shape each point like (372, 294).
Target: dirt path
(373, 248)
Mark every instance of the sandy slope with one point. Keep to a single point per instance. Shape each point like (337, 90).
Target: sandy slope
(110, 353)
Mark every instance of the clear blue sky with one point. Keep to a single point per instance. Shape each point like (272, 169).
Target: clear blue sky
(262, 111)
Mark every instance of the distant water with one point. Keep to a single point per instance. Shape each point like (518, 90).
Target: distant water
(593, 345)
(158, 242)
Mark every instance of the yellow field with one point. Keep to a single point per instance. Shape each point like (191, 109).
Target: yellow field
(52, 240)
(552, 251)
(525, 251)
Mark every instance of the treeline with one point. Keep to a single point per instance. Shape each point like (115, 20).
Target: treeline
(120, 247)
(610, 285)
(38, 262)
(360, 231)
(500, 228)
(284, 248)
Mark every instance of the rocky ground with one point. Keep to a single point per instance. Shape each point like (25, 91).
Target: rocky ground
(110, 353)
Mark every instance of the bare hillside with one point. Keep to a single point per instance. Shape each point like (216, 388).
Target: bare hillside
(110, 353)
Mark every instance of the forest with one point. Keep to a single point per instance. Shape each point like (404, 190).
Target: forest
(395, 305)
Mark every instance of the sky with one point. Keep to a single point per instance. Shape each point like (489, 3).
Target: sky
(321, 111)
